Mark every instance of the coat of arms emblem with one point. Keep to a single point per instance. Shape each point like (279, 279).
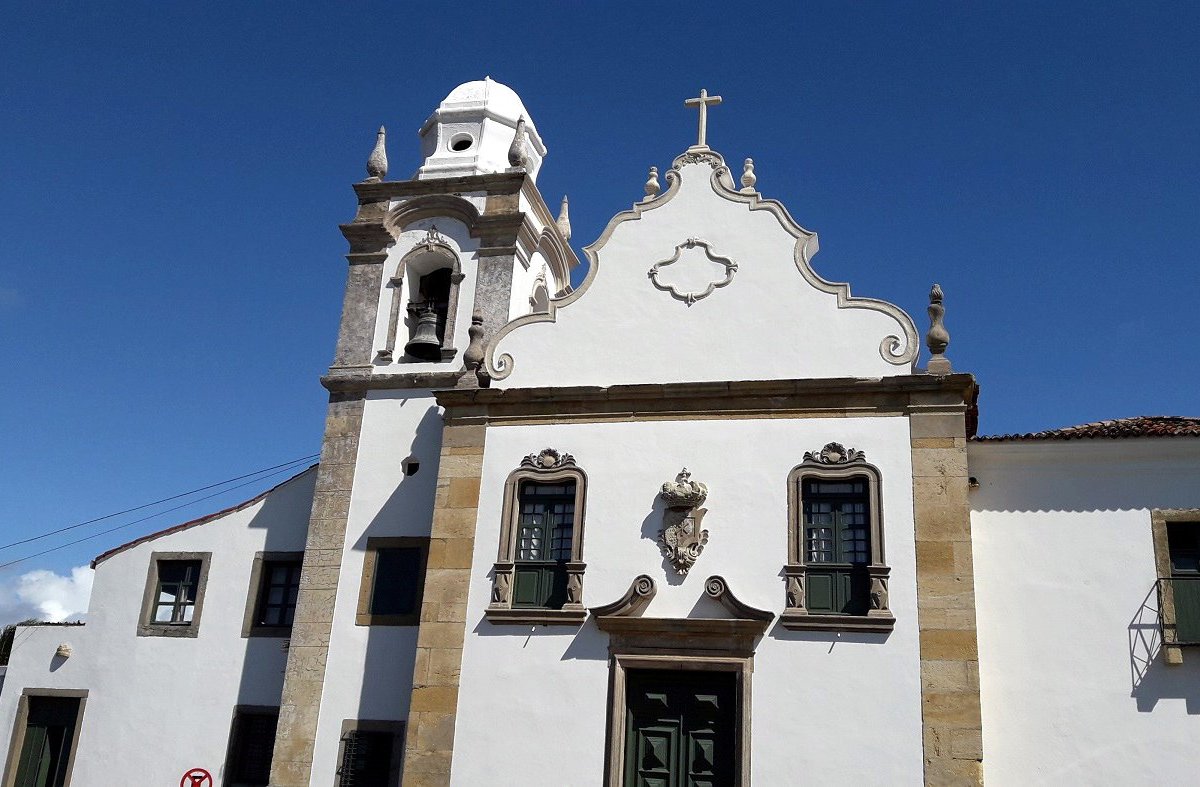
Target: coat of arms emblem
(682, 539)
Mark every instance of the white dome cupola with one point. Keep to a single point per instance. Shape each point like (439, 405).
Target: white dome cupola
(472, 132)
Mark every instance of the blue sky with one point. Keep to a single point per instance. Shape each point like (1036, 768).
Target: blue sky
(172, 177)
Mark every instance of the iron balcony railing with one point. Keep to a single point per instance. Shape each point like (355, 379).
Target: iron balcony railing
(1179, 609)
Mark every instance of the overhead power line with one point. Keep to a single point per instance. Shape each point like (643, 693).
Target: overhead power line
(285, 468)
(47, 534)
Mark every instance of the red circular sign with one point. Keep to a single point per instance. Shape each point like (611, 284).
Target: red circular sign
(196, 777)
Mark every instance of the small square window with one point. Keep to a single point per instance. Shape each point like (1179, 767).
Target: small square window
(274, 589)
(371, 753)
(174, 594)
(251, 744)
(393, 582)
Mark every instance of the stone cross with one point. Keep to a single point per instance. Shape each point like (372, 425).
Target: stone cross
(704, 101)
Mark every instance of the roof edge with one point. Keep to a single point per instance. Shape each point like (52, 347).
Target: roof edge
(198, 521)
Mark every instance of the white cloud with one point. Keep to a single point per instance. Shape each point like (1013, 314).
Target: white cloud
(46, 595)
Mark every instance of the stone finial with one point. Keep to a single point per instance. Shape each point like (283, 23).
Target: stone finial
(516, 151)
(748, 176)
(377, 162)
(938, 338)
(564, 220)
(652, 187)
(473, 356)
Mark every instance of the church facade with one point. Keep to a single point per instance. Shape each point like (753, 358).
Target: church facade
(707, 518)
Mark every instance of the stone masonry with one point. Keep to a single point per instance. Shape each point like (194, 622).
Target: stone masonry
(430, 734)
(952, 727)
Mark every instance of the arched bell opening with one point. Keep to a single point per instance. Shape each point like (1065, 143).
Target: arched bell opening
(431, 276)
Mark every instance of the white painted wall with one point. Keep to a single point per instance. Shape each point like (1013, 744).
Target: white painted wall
(369, 670)
(769, 323)
(1071, 690)
(158, 706)
(816, 697)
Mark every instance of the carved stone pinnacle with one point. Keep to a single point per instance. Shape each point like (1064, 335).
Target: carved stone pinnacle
(377, 163)
(516, 151)
(938, 338)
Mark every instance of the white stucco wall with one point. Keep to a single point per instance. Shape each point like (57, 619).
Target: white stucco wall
(816, 697)
(768, 323)
(369, 670)
(1071, 689)
(158, 706)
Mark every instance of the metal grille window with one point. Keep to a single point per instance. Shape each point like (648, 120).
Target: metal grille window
(277, 593)
(175, 595)
(252, 741)
(544, 538)
(366, 759)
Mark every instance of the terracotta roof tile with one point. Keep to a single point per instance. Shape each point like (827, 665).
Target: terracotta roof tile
(1138, 426)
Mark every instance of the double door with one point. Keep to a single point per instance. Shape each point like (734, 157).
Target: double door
(680, 728)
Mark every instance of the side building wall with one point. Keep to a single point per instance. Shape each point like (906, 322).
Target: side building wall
(1074, 685)
(158, 706)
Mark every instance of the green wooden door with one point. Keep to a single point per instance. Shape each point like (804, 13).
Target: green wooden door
(46, 750)
(680, 729)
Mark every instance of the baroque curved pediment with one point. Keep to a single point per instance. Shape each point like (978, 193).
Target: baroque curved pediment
(896, 346)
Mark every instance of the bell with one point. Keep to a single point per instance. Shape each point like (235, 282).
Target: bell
(424, 343)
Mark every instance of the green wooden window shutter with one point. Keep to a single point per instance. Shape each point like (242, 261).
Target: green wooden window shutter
(1183, 543)
(545, 534)
(837, 545)
(49, 730)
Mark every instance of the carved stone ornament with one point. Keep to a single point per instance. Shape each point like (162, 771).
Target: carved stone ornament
(682, 539)
(834, 454)
(377, 163)
(691, 297)
(548, 459)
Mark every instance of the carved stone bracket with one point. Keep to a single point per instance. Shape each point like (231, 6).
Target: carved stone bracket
(718, 589)
(636, 599)
(691, 297)
(682, 539)
(834, 454)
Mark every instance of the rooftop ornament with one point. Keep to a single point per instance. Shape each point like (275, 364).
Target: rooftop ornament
(938, 338)
(703, 102)
(377, 164)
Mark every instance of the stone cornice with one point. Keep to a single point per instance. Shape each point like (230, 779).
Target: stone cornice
(898, 395)
(348, 381)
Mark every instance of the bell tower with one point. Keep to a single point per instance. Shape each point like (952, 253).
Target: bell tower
(438, 264)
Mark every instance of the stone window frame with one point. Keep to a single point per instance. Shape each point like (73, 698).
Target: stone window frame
(545, 466)
(17, 740)
(363, 616)
(249, 627)
(146, 625)
(1159, 518)
(398, 729)
(835, 462)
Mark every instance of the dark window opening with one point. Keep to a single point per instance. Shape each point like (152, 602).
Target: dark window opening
(545, 533)
(398, 581)
(461, 144)
(175, 594)
(837, 544)
(277, 593)
(251, 743)
(366, 759)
